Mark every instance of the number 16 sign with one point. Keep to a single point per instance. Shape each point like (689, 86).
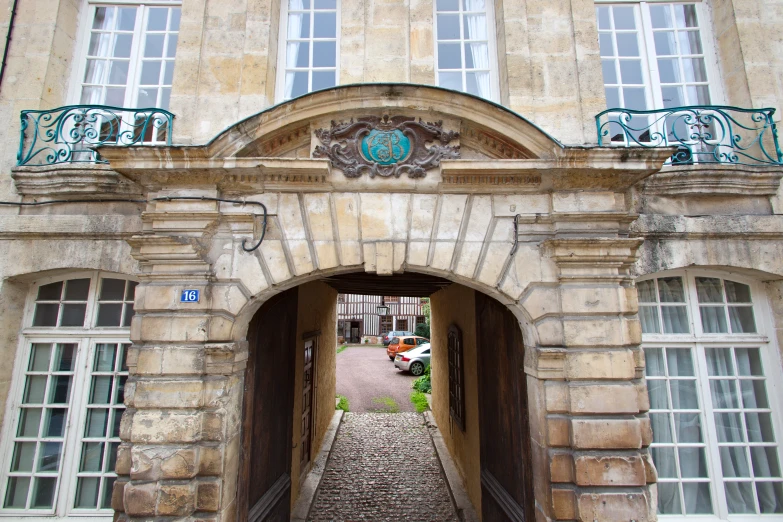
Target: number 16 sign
(190, 296)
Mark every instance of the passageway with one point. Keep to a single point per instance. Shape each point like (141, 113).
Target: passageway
(383, 466)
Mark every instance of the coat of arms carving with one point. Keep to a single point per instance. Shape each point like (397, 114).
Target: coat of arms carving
(386, 147)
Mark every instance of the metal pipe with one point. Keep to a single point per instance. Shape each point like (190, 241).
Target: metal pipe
(163, 198)
(8, 41)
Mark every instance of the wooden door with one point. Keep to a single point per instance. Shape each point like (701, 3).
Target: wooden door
(265, 467)
(506, 464)
(308, 377)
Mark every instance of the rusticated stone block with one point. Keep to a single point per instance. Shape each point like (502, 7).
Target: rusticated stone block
(606, 433)
(181, 465)
(169, 394)
(153, 427)
(212, 427)
(609, 471)
(558, 432)
(631, 505)
(123, 463)
(140, 499)
(210, 461)
(650, 473)
(612, 365)
(177, 500)
(208, 496)
(561, 467)
(603, 398)
(646, 429)
(143, 467)
(118, 489)
(564, 504)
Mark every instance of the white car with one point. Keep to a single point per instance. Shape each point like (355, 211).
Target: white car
(415, 360)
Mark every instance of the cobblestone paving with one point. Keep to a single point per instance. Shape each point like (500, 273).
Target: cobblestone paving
(383, 467)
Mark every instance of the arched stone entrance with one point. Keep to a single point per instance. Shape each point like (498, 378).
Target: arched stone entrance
(540, 227)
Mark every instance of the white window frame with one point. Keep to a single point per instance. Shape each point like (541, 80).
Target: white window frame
(491, 48)
(698, 342)
(86, 15)
(86, 337)
(282, 42)
(650, 59)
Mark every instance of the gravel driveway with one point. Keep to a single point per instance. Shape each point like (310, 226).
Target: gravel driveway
(368, 379)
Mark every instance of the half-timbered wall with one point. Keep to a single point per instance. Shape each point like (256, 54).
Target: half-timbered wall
(353, 307)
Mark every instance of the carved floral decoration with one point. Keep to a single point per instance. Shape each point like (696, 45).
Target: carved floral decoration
(386, 147)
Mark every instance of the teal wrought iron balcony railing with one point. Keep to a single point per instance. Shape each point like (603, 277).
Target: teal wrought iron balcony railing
(702, 134)
(70, 134)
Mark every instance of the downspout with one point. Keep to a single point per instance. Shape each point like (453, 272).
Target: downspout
(8, 41)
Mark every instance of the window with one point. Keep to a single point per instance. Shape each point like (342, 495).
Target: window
(456, 377)
(391, 299)
(711, 379)
(420, 319)
(386, 323)
(308, 47)
(60, 446)
(129, 55)
(464, 47)
(654, 55)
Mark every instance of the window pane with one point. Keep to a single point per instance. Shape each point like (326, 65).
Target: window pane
(734, 461)
(55, 422)
(754, 394)
(759, 427)
(60, 389)
(604, 20)
(73, 314)
(690, 42)
(450, 80)
(648, 315)
(675, 320)
(665, 43)
(680, 362)
(606, 43)
(325, 25)
(156, 18)
(693, 463)
(16, 496)
(130, 292)
(297, 82)
(35, 389)
(697, 498)
(324, 54)
(669, 498)
(448, 27)
(646, 291)
(24, 453)
(118, 73)
(664, 460)
(687, 426)
(659, 394)
(97, 422)
(739, 497)
(709, 290)
(49, 456)
(719, 361)
(770, 496)
(749, 362)
(43, 492)
(627, 44)
(109, 314)
(447, 5)
(46, 314)
(610, 75)
(684, 395)
(631, 72)
(50, 292)
(713, 319)
(64, 358)
(104, 18)
(127, 18)
(729, 427)
(321, 80)
(724, 394)
(39, 358)
(669, 70)
(624, 18)
(742, 320)
(654, 362)
(150, 73)
(77, 289)
(662, 431)
(92, 456)
(29, 422)
(694, 69)
(101, 390)
(126, 321)
(449, 56)
(765, 461)
(671, 290)
(87, 492)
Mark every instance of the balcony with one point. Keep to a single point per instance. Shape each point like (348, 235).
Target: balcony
(703, 134)
(71, 134)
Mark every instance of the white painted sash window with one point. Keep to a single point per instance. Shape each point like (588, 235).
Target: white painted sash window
(128, 54)
(464, 47)
(309, 46)
(713, 383)
(62, 431)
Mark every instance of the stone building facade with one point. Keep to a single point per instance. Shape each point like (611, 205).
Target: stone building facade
(644, 275)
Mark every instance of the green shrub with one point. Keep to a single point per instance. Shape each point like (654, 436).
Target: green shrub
(343, 404)
(419, 401)
(423, 384)
(422, 330)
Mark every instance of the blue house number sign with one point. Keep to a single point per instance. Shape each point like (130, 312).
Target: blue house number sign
(190, 296)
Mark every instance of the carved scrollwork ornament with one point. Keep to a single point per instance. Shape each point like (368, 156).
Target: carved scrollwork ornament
(386, 147)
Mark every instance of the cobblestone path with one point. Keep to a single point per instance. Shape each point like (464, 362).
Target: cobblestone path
(383, 466)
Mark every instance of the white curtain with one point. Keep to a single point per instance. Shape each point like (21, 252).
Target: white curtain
(477, 30)
(292, 48)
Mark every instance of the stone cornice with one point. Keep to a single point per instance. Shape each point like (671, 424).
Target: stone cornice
(657, 226)
(69, 227)
(714, 180)
(69, 179)
(593, 259)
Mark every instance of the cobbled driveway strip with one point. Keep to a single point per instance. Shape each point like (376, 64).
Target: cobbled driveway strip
(383, 466)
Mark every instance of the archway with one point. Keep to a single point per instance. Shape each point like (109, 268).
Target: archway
(484, 428)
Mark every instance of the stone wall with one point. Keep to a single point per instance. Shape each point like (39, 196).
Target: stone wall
(456, 305)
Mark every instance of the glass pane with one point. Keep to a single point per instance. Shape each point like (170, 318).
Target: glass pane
(624, 18)
(324, 54)
(665, 43)
(150, 75)
(734, 461)
(448, 27)
(474, 27)
(92, 456)
(55, 422)
(654, 362)
(476, 56)
(325, 25)
(737, 292)
(710, 290)
(729, 427)
(606, 43)
(16, 496)
(50, 292)
(675, 320)
(46, 314)
(687, 426)
(719, 361)
(662, 431)
(35, 388)
(684, 395)
(685, 14)
(631, 72)
(111, 460)
(100, 45)
(672, 97)
(610, 75)
(477, 84)
(298, 54)
(659, 399)
(627, 44)
(604, 19)
(87, 492)
(39, 358)
(754, 394)
(690, 42)
(97, 421)
(153, 47)
(147, 98)
(64, 359)
(724, 394)
(123, 44)
(118, 73)
(449, 56)
(126, 321)
(77, 289)
(694, 69)
(680, 361)
(297, 82)
(697, 497)
(749, 362)
(104, 357)
(156, 18)
(321, 80)
(739, 497)
(713, 319)
(60, 390)
(49, 456)
(669, 70)
(130, 292)
(115, 96)
(450, 81)
(101, 390)
(693, 463)
(24, 453)
(171, 48)
(108, 488)
(770, 496)
(127, 19)
(325, 4)
(73, 314)
(29, 422)
(104, 18)
(109, 314)
(765, 461)
(168, 77)
(759, 427)
(671, 290)
(669, 498)
(117, 419)
(646, 291)
(741, 319)
(43, 492)
(664, 461)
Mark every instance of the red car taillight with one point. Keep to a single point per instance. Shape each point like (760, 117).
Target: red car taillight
(405, 359)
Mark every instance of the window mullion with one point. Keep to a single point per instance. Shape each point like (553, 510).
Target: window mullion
(134, 69)
(650, 69)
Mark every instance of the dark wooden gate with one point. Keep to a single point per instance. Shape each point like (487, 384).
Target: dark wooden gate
(506, 464)
(265, 467)
(308, 377)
